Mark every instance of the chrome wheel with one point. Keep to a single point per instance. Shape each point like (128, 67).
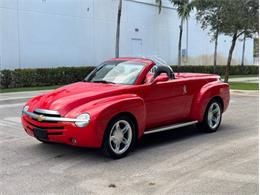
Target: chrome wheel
(214, 115)
(120, 137)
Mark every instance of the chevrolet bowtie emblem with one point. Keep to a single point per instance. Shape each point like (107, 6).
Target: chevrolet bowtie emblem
(40, 118)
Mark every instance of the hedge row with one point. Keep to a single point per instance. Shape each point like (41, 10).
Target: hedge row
(64, 75)
(234, 70)
(42, 76)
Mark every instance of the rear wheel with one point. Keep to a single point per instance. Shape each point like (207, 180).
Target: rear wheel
(119, 137)
(212, 117)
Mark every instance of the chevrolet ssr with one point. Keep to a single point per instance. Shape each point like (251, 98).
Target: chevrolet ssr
(123, 99)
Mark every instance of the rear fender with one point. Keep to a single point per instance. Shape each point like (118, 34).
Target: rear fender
(205, 95)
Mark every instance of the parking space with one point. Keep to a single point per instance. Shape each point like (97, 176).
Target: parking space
(181, 161)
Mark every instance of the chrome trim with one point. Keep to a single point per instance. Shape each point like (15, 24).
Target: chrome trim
(54, 119)
(44, 111)
(169, 127)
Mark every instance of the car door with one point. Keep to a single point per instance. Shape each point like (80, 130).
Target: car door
(166, 103)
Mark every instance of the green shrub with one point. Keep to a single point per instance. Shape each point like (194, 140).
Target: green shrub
(42, 76)
(63, 75)
(6, 78)
(234, 70)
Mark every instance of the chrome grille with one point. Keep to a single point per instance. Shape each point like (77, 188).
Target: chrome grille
(55, 129)
(49, 113)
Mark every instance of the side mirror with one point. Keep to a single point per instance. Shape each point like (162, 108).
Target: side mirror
(160, 78)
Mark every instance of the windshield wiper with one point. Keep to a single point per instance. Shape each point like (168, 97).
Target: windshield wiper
(103, 81)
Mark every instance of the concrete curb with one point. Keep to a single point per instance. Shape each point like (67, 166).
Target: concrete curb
(244, 92)
(16, 97)
(244, 79)
(14, 101)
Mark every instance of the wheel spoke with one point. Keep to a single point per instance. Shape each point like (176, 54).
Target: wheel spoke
(210, 122)
(125, 129)
(125, 141)
(113, 139)
(216, 110)
(214, 119)
(217, 116)
(117, 147)
(117, 126)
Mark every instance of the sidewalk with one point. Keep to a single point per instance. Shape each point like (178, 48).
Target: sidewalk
(245, 79)
(19, 96)
(244, 92)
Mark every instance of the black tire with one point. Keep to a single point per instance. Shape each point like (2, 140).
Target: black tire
(206, 125)
(108, 145)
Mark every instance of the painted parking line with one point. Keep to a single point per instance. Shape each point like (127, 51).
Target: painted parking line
(10, 123)
(11, 105)
(5, 133)
(15, 120)
(234, 177)
(250, 93)
(232, 101)
(14, 98)
(12, 140)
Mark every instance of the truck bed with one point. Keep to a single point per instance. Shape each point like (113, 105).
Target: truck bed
(194, 75)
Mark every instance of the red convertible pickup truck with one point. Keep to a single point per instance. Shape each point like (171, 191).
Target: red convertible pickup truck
(123, 99)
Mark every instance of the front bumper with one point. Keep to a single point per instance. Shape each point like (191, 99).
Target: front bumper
(60, 130)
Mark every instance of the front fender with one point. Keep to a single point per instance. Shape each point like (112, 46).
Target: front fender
(103, 110)
(205, 95)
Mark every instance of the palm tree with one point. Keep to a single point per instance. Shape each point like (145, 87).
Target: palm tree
(184, 8)
(159, 2)
(243, 50)
(119, 12)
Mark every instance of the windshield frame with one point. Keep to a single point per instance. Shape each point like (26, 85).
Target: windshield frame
(111, 62)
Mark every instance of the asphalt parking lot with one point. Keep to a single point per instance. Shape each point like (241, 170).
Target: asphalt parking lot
(182, 161)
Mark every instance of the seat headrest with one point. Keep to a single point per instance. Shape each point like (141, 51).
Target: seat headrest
(164, 69)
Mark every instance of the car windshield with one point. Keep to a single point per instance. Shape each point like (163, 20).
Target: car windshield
(117, 72)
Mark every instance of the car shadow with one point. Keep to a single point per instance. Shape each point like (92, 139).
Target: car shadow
(166, 137)
(62, 151)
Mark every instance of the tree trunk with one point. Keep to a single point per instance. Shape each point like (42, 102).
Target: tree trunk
(187, 41)
(243, 52)
(118, 28)
(179, 45)
(215, 52)
(230, 57)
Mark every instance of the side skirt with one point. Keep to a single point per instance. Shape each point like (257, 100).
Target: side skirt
(169, 127)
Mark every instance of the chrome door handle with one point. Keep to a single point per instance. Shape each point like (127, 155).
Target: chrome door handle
(184, 89)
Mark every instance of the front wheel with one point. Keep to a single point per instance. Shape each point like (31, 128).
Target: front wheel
(212, 117)
(119, 137)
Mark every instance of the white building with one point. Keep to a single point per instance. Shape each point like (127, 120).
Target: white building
(50, 33)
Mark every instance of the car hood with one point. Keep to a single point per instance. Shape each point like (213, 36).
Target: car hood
(71, 96)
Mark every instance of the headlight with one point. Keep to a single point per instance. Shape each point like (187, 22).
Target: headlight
(26, 108)
(85, 120)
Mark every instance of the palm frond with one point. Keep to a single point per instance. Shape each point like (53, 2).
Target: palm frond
(184, 8)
